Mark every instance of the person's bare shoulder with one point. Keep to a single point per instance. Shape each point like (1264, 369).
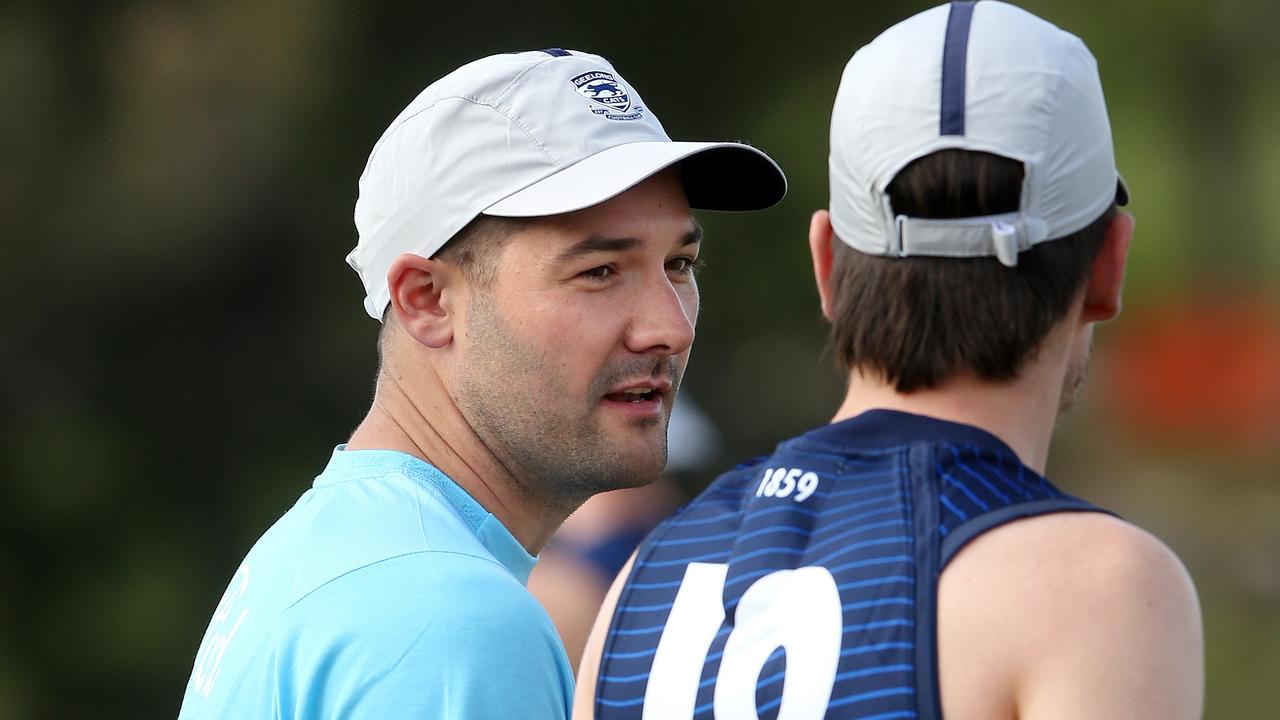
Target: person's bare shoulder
(584, 695)
(1069, 615)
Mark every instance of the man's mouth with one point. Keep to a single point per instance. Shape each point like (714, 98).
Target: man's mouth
(634, 395)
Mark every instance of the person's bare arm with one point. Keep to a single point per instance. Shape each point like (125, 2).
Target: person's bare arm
(1070, 615)
(584, 696)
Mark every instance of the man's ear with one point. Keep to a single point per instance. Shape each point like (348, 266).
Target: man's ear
(1106, 278)
(820, 236)
(423, 297)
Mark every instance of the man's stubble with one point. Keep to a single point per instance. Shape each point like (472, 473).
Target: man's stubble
(517, 399)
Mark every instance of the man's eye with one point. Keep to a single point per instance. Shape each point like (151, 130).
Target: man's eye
(684, 265)
(603, 272)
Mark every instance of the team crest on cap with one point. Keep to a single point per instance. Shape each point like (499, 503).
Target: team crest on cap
(609, 95)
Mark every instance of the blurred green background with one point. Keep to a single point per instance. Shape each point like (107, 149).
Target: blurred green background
(185, 343)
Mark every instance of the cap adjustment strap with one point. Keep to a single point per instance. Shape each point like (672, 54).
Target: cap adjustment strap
(1003, 236)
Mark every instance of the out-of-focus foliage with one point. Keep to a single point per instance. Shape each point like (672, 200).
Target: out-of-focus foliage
(184, 343)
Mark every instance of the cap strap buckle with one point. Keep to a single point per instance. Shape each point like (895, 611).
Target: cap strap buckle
(1003, 236)
(1007, 239)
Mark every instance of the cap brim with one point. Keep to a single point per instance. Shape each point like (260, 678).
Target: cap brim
(716, 176)
(1122, 191)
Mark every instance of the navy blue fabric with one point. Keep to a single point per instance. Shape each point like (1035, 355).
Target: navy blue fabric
(955, 51)
(897, 497)
(556, 52)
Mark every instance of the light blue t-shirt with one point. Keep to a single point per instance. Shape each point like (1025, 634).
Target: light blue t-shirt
(386, 592)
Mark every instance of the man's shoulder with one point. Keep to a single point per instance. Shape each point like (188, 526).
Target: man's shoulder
(431, 634)
(726, 493)
(802, 470)
(1068, 557)
(463, 581)
(461, 605)
(750, 478)
(343, 528)
(425, 596)
(1062, 595)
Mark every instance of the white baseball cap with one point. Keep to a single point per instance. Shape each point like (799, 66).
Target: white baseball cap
(526, 135)
(984, 76)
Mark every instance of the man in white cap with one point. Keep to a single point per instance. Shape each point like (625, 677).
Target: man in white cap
(910, 560)
(525, 237)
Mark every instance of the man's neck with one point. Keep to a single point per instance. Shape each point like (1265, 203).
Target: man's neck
(435, 431)
(1020, 412)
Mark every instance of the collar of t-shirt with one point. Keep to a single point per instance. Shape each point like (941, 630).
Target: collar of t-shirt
(488, 529)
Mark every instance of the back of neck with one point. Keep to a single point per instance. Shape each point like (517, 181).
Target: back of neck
(1021, 412)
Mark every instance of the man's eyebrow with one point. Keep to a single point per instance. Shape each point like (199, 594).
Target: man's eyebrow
(693, 236)
(595, 244)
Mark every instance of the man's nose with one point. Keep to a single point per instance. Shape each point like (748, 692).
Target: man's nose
(663, 318)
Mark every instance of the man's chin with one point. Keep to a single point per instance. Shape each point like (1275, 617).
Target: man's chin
(636, 468)
(633, 449)
(625, 481)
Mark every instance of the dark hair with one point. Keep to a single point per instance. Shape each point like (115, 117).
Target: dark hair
(919, 320)
(475, 247)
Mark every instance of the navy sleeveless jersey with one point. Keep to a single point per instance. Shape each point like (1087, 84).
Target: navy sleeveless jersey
(807, 581)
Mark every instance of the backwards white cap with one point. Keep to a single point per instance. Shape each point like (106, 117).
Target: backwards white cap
(525, 135)
(983, 76)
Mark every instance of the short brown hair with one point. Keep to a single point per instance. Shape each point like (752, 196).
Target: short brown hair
(919, 320)
(475, 247)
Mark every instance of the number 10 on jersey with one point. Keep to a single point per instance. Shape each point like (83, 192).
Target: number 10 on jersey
(796, 610)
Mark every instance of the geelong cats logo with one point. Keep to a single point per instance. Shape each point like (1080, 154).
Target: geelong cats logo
(608, 94)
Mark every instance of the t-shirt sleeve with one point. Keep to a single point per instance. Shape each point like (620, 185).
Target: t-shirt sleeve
(427, 635)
